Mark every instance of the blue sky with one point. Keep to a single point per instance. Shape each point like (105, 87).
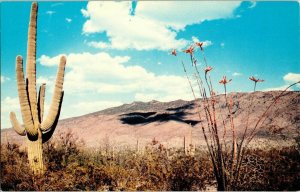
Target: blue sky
(118, 52)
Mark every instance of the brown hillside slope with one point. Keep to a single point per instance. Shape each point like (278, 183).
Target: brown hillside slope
(169, 122)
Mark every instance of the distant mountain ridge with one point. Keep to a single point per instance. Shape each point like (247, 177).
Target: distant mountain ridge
(169, 122)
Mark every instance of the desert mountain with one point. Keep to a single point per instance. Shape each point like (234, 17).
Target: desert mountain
(170, 122)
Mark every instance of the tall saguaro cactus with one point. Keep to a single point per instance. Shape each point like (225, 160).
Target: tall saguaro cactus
(37, 129)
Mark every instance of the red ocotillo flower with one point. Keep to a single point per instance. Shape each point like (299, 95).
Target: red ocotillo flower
(256, 80)
(190, 50)
(174, 52)
(224, 81)
(207, 69)
(199, 44)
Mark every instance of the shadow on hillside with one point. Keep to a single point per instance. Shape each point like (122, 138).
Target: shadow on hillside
(150, 117)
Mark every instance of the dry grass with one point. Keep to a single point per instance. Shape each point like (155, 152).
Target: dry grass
(69, 167)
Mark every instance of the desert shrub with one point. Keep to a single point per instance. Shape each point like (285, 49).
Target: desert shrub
(15, 173)
(70, 168)
(154, 169)
(64, 150)
(191, 173)
(274, 170)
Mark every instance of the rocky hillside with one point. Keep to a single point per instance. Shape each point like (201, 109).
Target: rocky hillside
(169, 122)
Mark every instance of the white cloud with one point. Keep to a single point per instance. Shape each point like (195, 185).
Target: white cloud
(92, 82)
(206, 43)
(222, 44)
(12, 104)
(280, 88)
(50, 12)
(292, 77)
(195, 39)
(47, 61)
(237, 74)
(100, 44)
(103, 73)
(3, 79)
(159, 63)
(289, 78)
(92, 106)
(145, 97)
(9, 104)
(155, 24)
(41, 79)
(68, 20)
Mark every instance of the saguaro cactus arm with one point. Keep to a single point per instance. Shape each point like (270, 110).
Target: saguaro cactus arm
(16, 125)
(47, 135)
(23, 98)
(57, 96)
(41, 101)
(31, 64)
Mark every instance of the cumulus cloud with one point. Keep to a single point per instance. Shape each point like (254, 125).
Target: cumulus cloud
(206, 43)
(154, 24)
(92, 106)
(12, 104)
(97, 78)
(103, 73)
(292, 77)
(47, 61)
(40, 80)
(9, 104)
(100, 44)
(289, 78)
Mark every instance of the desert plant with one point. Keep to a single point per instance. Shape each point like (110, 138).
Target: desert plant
(272, 169)
(37, 129)
(226, 159)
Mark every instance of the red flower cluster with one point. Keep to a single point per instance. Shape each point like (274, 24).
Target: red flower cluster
(224, 80)
(256, 80)
(174, 52)
(199, 44)
(207, 69)
(190, 50)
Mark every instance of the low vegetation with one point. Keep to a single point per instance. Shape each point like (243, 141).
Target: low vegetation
(72, 167)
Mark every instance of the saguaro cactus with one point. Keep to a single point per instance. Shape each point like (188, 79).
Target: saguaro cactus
(37, 129)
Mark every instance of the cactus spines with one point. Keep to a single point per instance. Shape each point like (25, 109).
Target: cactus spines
(37, 130)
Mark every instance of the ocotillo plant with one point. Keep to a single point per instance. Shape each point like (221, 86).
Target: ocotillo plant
(37, 129)
(226, 153)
